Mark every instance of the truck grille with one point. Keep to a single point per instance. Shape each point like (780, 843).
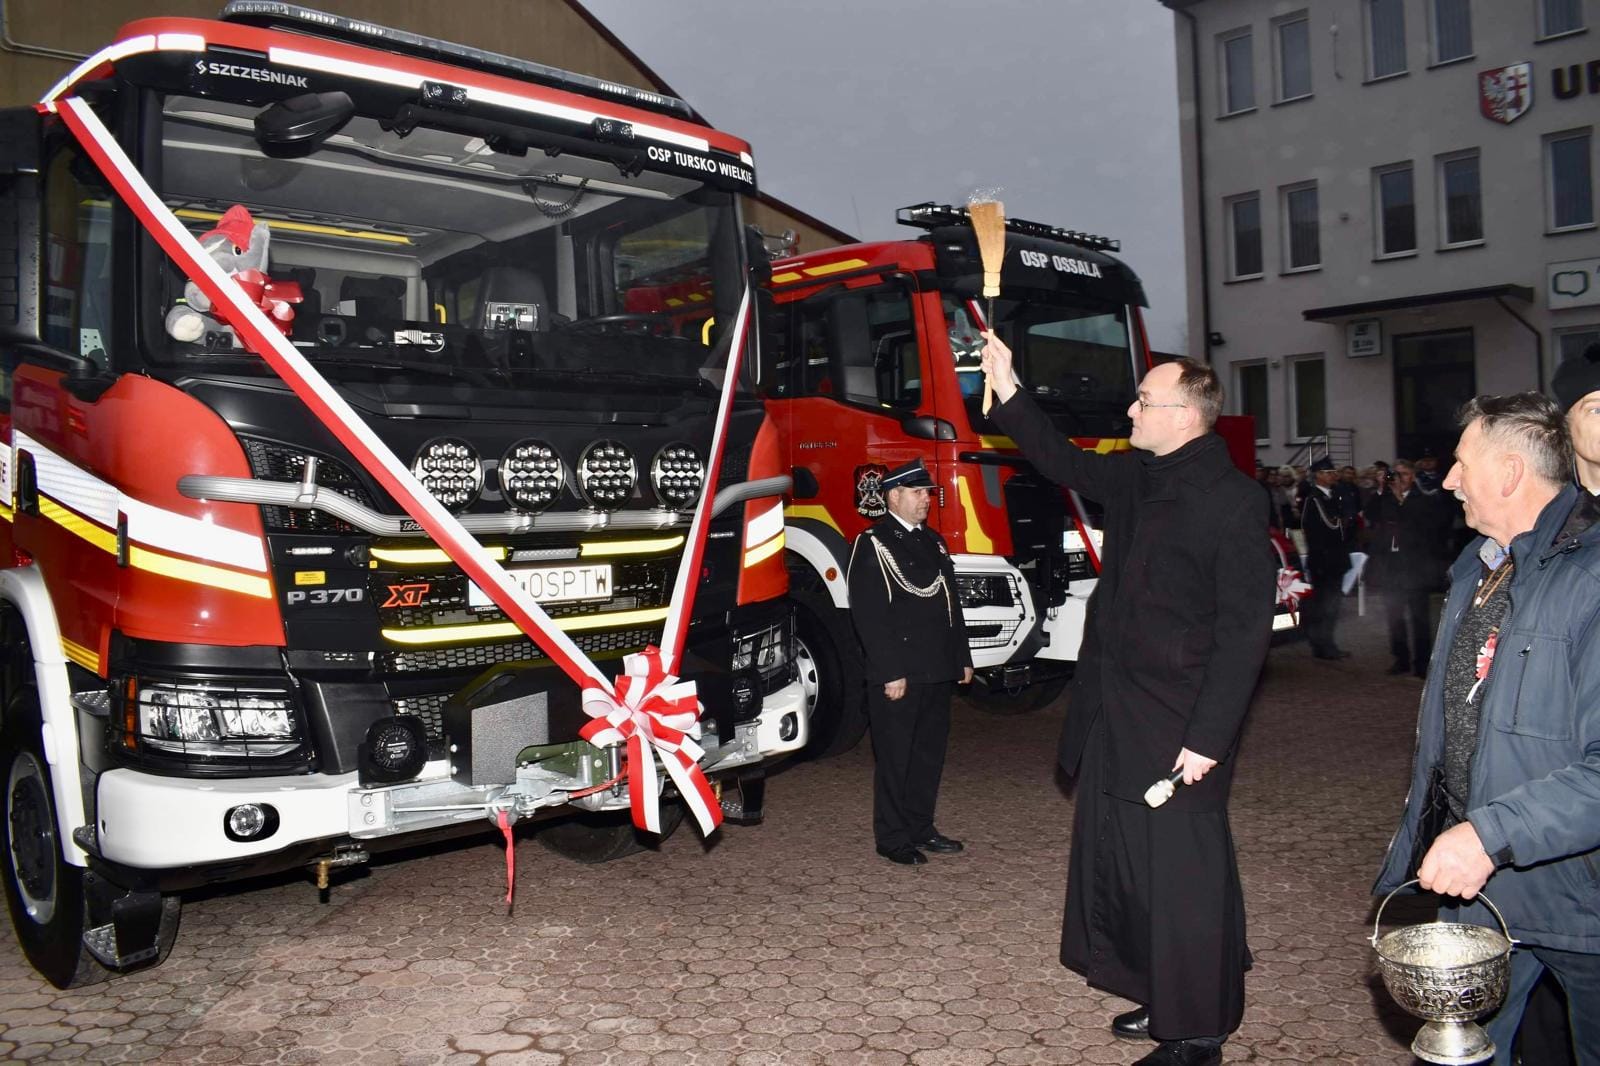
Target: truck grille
(610, 643)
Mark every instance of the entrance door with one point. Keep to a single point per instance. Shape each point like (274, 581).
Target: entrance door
(1433, 377)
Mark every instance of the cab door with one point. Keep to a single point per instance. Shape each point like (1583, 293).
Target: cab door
(853, 395)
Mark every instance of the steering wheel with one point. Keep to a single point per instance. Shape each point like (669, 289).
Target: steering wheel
(637, 323)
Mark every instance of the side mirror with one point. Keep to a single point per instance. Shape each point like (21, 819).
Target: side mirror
(298, 125)
(756, 251)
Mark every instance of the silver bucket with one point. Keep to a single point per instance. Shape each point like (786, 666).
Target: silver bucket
(1448, 974)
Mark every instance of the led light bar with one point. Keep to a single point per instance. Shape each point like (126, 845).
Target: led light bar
(931, 216)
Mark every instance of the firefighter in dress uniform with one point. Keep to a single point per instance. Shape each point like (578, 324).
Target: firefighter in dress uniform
(907, 614)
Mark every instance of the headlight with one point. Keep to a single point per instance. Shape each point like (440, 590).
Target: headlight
(985, 590)
(607, 474)
(531, 475)
(220, 720)
(450, 470)
(678, 475)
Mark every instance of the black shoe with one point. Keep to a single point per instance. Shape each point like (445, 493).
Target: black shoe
(1400, 667)
(937, 841)
(905, 855)
(1183, 1053)
(1134, 1025)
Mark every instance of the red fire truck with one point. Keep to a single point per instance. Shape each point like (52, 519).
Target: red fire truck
(230, 645)
(874, 355)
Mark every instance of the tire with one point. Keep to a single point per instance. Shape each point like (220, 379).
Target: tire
(43, 891)
(593, 837)
(1007, 702)
(832, 675)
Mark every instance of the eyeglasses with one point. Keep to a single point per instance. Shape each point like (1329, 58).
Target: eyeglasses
(1145, 405)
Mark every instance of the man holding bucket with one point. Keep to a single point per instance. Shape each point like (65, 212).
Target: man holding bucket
(1505, 791)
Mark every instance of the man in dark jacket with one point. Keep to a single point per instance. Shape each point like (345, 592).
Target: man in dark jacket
(1177, 631)
(1328, 537)
(907, 614)
(1407, 533)
(1508, 745)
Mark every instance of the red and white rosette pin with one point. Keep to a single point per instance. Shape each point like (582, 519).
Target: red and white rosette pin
(653, 712)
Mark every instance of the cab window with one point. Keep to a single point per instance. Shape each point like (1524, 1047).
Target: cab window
(860, 347)
(77, 258)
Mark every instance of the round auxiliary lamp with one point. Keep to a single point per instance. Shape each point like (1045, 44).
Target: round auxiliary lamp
(1449, 975)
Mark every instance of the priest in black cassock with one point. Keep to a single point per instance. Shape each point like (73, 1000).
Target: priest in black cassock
(907, 614)
(1177, 630)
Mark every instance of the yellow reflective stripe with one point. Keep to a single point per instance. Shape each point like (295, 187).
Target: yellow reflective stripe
(631, 547)
(80, 655)
(815, 512)
(6, 512)
(787, 275)
(198, 573)
(492, 630)
(304, 227)
(978, 541)
(1112, 444)
(993, 441)
(421, 556)
(833, 268)
(763, 550)
(76, 524)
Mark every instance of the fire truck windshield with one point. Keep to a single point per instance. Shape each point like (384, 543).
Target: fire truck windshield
(1077, 361)
(411, 256)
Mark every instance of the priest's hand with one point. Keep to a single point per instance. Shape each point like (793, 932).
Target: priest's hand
(997, 367)
(966, 675)
(894, 689)
(1194, 765)
(1456, 865)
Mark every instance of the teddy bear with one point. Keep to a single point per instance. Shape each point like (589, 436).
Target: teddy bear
(238, 244)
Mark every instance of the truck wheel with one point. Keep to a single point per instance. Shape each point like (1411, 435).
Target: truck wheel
(1024, 700)
(599, 836)
(44, 892)
(833, 677)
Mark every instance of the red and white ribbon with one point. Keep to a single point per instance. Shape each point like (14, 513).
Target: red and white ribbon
(652, 712)
(263, 337)
(1291, 588)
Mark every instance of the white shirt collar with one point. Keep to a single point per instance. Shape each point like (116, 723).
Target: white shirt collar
(909, 527)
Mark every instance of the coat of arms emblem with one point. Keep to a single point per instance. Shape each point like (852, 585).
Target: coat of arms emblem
(1506, 93)
(869, 490)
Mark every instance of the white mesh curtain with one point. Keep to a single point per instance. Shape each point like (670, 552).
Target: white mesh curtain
(1386, 22)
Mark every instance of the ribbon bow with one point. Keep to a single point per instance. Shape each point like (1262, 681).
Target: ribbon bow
(1291, 588)
(652, 711)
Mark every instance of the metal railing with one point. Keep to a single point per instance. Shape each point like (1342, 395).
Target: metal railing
(1338, 443)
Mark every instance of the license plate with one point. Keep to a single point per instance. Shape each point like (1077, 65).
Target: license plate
(554, 584)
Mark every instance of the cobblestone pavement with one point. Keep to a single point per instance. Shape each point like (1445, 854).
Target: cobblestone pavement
(787, 943)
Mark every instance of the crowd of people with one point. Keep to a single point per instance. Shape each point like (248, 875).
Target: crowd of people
(1393, 521)
(1505, 788)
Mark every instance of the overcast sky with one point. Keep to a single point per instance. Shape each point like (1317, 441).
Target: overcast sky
(856, 107)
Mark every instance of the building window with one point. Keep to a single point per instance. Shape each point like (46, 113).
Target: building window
(1251, 389)
(1386, 38)
(1452, 30)
(1460, 200)
(1293, 37)
(1244, 236)
(1560, 16)
(1308, 398)
(1574, 342)
(1238, 72)
(1396, 210)
(1570, 179)
(1301, 236)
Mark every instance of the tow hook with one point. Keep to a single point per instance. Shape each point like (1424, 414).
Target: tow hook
(342, 856)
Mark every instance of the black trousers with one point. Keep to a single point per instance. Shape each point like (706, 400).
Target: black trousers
(909, 737)
(1319, 613)
(1408, 614)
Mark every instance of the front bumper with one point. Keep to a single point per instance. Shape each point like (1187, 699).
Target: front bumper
(150, 822)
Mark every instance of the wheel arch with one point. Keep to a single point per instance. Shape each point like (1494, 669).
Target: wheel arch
(818, 548)
(23, 590)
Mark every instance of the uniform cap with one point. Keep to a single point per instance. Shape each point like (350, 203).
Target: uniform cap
(911, 475)
(1324, 463)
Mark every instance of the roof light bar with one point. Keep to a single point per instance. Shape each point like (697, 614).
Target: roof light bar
(319, 23)
(930, 215)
